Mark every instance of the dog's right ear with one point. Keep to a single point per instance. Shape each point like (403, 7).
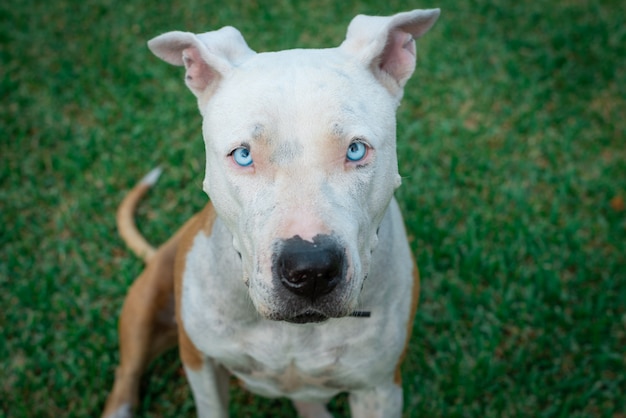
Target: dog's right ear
(386, 44)
(207, 57)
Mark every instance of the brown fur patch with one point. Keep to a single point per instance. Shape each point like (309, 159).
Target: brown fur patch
(414, 303)
(126, 223)
(147, 326)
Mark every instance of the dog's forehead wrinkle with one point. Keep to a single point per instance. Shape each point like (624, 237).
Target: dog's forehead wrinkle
(258, 130)
(337, 129)
(259, 134)
(286, 151)
(286, 104)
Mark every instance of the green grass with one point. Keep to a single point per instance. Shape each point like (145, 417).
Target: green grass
(511, 144)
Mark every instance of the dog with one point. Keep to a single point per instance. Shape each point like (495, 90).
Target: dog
(297, 277)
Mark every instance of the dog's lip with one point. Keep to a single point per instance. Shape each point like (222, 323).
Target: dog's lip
(307, 317)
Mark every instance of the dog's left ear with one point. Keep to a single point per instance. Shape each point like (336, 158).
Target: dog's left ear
(207, 57)
(387, 44)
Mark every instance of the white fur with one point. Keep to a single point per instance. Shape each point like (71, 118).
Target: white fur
(152, 177)
(210, 389)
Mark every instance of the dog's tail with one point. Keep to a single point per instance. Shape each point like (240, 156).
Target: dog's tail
(126, 220)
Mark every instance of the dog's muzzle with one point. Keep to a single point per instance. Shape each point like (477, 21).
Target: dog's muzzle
(309, 271)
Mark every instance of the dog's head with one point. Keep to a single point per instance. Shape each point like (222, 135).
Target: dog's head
(300, 154)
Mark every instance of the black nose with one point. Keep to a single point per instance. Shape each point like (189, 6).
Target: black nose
(310, 269)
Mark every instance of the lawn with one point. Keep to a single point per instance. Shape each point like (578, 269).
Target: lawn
(511, 142)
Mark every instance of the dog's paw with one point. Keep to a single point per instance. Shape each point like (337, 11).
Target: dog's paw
(124, 411)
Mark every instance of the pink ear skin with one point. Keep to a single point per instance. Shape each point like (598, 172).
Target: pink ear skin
(199, 74)
(398, 58)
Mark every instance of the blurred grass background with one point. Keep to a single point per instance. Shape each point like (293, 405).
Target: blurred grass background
(511, 144)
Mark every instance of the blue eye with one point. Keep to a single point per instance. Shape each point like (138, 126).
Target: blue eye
(242, 157)
(356, 151)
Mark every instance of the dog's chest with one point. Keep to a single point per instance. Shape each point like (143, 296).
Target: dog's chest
(294, 362)
(293, 376)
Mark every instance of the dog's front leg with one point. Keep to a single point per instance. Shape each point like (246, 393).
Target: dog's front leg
(209, 384)
(379, 402)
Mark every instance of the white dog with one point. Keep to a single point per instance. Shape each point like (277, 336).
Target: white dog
(297, 278)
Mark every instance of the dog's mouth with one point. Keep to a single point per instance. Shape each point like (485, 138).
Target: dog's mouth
(313, 317)
(307, 317)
